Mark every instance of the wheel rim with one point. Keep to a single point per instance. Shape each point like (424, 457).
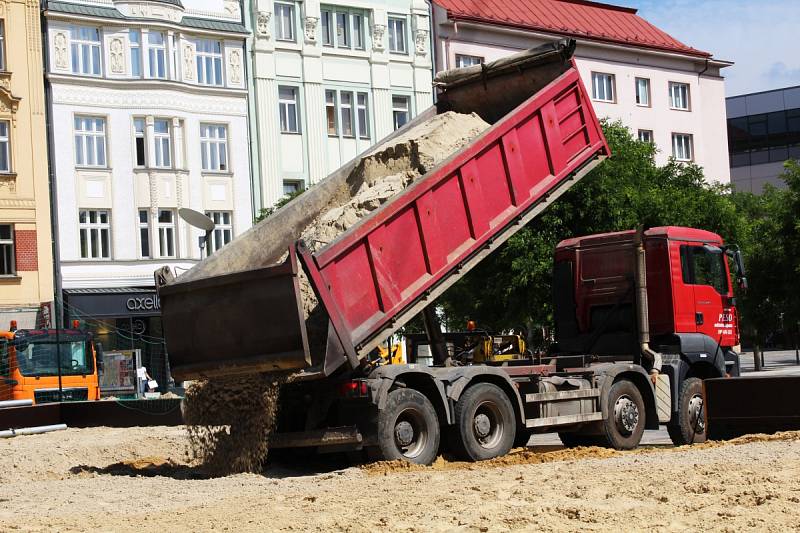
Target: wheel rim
(696, 418)
(410, 433)
(487, 425)
(626, 414)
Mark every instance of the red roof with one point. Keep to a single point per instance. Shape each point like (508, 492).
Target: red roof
(577, 18)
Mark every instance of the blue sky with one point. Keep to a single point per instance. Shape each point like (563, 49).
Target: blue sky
(761, 36)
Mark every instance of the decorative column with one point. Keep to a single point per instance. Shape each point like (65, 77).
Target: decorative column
(379, 63)
(315, 134)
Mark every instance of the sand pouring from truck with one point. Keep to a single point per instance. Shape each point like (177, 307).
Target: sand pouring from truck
(635, 310)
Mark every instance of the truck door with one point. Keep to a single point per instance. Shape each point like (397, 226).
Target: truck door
(705, 269)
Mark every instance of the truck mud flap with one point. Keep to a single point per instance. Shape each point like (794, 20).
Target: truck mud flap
(738, 406)
(260, 328)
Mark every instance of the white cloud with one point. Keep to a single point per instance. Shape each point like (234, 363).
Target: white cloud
(760, 37)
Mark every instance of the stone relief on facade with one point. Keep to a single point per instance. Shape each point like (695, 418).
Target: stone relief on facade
(188, 62)
(311, 29)
(60, 45)
(232, 8)
(421, 42)
(377, 36)
(236, 67)
(150, 11)
(9, 183)
(117, 56)
(262, 23)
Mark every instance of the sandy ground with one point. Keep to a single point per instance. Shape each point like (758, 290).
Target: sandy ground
(138, 479)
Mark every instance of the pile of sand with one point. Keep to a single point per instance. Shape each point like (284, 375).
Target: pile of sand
(249, 403)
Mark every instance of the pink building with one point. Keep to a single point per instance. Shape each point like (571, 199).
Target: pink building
(666, 92)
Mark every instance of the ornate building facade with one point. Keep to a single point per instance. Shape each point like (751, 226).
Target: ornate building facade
(149, 115)
(26, 260)
(328, 81)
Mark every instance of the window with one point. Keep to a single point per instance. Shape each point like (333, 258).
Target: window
(95, 232)
(156, 55)
(643, 92)
(90, 141)
(161, 132)
(209, 62)
(135, 37)
(292, 187)
(363, 116)
(144, 234)
(139, 142)
(284, 22)
(603, 87)
(348, 109)
(166, 233)
(3, 45)
(397, 35)
(347, 113)
(467, 61)
(646, 136)
(7, 260)
(342, 28)
(769, 137)
(223, 232)
(700, 266)
(330, 112)
(400, 111)
(287, 108)
(682, 147)
(85, 50)
(679, 96)
(5, 147)
(214, 147)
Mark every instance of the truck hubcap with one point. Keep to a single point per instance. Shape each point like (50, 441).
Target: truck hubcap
(410, 433)
(696, 414)
(626, 414)
(487, 425)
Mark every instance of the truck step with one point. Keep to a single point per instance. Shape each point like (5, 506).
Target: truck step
(562, 420)
(555, 396)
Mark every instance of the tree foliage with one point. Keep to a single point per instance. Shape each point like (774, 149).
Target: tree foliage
(264, 212)
(513, 286)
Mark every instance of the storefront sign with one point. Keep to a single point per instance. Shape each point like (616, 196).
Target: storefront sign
(113, 302)
(143, 303)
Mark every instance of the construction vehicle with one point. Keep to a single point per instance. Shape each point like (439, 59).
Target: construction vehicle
(30, 369)
(636, 331)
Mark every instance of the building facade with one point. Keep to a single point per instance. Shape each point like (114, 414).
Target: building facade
(664, 91)
(330, 80)
(26, 260)
(149, 115)
(763, 132)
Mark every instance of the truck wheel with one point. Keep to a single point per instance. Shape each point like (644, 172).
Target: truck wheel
(485, 425)
(690, 426)
(625, 423)
(408, 428)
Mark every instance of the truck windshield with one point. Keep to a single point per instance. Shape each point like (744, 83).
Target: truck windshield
(40, 358)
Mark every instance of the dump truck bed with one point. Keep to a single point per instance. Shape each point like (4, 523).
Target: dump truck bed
(376, 276)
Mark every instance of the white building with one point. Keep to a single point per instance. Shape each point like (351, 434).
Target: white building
(665, 91)
(329, 80)
(148, 114)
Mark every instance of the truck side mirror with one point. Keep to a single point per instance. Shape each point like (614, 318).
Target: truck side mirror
(742, 283)
(98, 353)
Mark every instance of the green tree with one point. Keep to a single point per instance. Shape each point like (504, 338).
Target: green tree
(265, 212)
(513, 286)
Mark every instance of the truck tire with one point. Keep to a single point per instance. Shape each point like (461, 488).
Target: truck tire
(485, 423)
(690, 426)
(408, 428)
(573, 440)
(626, 416)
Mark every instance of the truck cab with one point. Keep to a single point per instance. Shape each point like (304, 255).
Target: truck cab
(29, 365)
(689, 312)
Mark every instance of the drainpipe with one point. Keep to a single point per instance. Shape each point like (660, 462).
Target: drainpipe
(642, 314)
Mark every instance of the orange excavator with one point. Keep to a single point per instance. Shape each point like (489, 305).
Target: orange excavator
(34, 361)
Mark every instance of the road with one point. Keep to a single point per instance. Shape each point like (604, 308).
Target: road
(777, 363)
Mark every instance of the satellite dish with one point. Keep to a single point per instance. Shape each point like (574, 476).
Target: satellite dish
(196, 219)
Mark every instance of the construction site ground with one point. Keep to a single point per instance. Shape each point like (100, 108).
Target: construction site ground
(138, 480)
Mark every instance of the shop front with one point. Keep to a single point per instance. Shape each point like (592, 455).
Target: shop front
(123, 319)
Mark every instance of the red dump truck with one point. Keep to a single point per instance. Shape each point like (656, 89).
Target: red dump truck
(621, 365)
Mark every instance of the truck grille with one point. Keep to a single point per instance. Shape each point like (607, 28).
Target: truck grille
(69, 395)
